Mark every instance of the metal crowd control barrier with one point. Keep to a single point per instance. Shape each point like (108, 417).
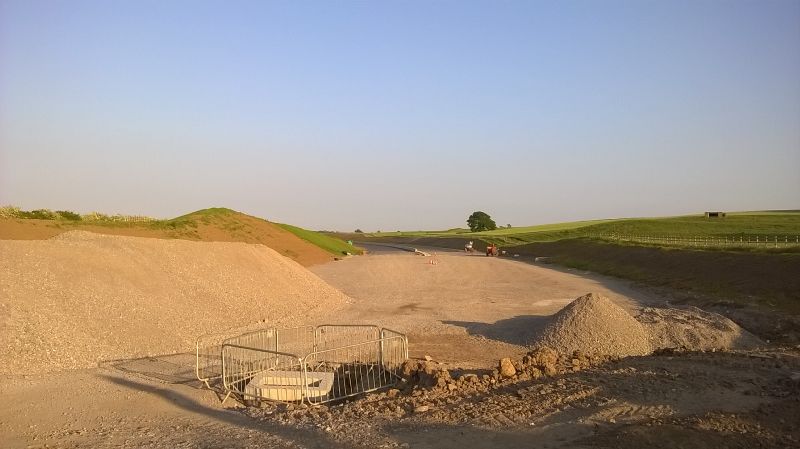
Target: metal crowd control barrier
(208, 348)
(315, 365)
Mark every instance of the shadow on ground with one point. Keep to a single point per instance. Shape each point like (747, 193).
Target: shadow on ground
(519, 330)
(310, 438)
(170, 368)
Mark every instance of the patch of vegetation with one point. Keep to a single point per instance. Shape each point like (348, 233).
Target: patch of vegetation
(69, 215)
(210, 212)
(116, 219)
(38, 214)
(331, 244)
(204, 216)
(192, 220)
(758, 223)
(9, 212)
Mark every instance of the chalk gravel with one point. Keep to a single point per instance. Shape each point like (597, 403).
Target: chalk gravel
(80, 298)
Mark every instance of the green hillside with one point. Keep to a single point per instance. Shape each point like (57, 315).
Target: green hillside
(329, 243)
(770, 224)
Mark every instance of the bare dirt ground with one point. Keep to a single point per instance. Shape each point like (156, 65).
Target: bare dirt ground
(465, 312)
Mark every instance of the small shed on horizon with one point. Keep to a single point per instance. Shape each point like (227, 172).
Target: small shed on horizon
(715, 214)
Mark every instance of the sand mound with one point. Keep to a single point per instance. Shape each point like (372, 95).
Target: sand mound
(80, 297)
(694, 329)
(594, 324)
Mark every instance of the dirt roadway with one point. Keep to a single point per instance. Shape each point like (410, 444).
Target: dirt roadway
(464, 311)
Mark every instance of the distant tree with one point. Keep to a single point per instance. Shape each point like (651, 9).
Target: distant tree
(508, 225)
(359, 231)
(480, 221)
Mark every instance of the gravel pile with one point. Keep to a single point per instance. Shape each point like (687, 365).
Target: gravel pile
(594, 324)
(694, 329)
(79, 298)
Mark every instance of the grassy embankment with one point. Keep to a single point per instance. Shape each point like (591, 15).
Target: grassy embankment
(329, 243)
(213, 224)
(231, 220)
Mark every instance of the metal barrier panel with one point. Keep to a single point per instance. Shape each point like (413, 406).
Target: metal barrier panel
(298, 340)
(208, 348)
(395, 348)
(208, 361)
(262, 374)
(259, 339)
(316, 365)
(329, 336)
(356, 368)
(208, 351)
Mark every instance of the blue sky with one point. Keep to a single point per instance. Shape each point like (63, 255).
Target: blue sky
(400, 115)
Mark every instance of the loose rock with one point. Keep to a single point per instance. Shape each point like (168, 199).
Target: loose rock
(507, 368)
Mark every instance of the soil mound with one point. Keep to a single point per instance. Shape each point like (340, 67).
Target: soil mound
(80, 297)
(694, 329)
(209, 225)
(593, 323)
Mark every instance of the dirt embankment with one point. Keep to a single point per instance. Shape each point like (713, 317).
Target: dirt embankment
(225, 226)
(79, 298)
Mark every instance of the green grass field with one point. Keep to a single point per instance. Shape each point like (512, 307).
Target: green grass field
(757, 223)
(463, 232)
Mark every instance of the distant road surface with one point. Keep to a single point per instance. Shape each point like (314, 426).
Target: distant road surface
(393, 248)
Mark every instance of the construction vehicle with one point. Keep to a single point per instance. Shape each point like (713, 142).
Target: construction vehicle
(492, 250)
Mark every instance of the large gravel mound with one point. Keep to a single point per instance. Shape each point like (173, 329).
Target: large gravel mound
(594, 324)
(80, 297)
(694, 329)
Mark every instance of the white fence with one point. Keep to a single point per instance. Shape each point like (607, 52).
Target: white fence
(708, 241)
